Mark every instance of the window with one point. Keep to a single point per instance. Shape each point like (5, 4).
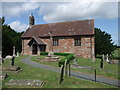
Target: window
(77, 42)
(55, 42)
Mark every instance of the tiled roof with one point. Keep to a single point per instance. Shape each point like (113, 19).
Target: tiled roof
(71, 28)
(38, 40)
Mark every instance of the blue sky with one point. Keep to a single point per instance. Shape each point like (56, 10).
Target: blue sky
(105, 14)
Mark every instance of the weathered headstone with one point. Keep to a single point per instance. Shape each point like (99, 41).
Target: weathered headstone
(69, 70)
(93, 57)
(1, 59)
(14, 51)
(61, 74)
(107, 60)
(103, 57)
(12, 61)
(65, 68)
(101, 63)
(75, 61)
(17, 54)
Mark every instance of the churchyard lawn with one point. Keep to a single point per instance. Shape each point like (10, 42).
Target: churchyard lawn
(109, 70)
(50, 78)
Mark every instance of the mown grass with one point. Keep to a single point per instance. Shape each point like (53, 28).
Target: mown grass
(50, 78)
(109, 70)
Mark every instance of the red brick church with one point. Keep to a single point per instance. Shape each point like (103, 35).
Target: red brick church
(66, 37)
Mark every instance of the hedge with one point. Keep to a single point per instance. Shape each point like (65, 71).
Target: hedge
(68, 58)
(43, 53)
(61, 54)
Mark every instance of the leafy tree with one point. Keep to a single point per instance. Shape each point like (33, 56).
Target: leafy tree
(10, 38)
(103, 42)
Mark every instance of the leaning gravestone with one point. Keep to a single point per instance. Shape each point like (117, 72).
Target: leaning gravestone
(61, 74)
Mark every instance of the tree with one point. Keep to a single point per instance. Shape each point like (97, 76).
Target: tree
(10, 38)
(103, 42)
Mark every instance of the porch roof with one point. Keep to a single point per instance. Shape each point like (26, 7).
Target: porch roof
(37, 40)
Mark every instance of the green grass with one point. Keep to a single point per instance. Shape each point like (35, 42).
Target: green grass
(110, 70)
(50, 78)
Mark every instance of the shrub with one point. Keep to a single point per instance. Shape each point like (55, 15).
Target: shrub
(43, 53)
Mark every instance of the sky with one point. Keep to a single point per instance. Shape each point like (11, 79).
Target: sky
(105, 14)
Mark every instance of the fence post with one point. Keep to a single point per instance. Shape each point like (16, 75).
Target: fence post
(95, 75)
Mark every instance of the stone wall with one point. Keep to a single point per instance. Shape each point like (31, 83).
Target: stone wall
(66, 45)
(26, 50)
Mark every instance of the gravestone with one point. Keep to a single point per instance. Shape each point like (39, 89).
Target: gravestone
(12, 61)
(14, 51)
(0, 57)
(93, 58)
(101, 64)
(107, 60)
(103, 57)
(75, 61)
(17, 54)
(61, 74)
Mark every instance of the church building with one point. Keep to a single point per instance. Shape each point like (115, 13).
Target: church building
(65, 37)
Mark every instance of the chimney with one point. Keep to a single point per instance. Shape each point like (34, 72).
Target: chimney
(31, 20)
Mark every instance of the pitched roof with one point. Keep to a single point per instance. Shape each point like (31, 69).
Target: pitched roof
(38, 40)
(81, 27)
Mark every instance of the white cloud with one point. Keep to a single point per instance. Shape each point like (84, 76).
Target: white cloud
(15, 9)
(56, 11)
(72, 11)
(18, 26)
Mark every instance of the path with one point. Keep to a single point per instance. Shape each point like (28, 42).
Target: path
(104, 80)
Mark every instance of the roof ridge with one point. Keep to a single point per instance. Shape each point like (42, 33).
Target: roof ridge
(63, 22)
